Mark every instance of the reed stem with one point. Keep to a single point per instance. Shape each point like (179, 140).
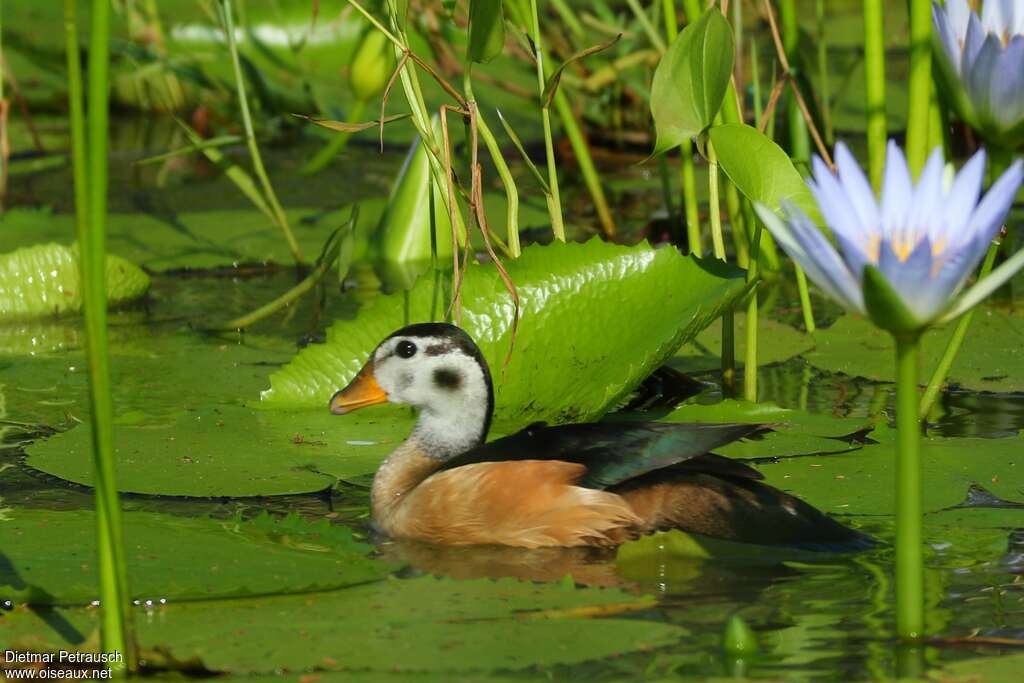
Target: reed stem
(918, 110)
(874, 74)
(909, 549)
(90, 169)
(555, 197)
(799, 138)
(688, 176)
(750, 360)
(821, 15)
(228, 22)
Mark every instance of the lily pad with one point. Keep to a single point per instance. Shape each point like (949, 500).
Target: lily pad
(862, 482)
(794, 432)
(565, 365)
(992, 359)
(178, 558)
(994, 669)
(422, 624)
(43, 280)
(776, 342)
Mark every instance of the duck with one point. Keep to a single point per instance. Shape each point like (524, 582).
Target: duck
(549, 486)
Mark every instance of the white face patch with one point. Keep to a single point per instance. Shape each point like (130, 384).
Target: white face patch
(440, 379)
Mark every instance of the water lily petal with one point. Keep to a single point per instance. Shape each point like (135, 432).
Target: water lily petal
(959, 13)
(994, 206)
(1007, 87)
(978, 80)
(947, 35)
(951, 275)
(897, 190)
(973, 40)
(995, 15)
(952, 230)
(927, 204)
(910, 277)
(835, 206)
(843, 289)
(857, 188)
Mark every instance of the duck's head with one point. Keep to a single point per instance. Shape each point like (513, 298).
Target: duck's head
(437, 368)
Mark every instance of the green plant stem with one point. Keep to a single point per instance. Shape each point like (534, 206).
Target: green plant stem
(646, 24)
(228, 21)
(821, 14)
(799, 139)
(688, 177)
(909, 548)
(668, 15)
(874, 74)
(568, 16)
(581, 150)
(116, 620)
(336, 144)
(938, 378)
(805, 298)
(728, 328)
(750, 361)
(507, 181)
(554, 198)
(920, 84)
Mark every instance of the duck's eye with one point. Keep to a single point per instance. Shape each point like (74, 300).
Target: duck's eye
(405, 349)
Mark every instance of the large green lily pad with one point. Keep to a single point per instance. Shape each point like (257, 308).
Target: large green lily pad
(423, 624)
(862, 482)
(794, 432)
(991, 359)
(44, 280)
(566, 365)
(178, 558)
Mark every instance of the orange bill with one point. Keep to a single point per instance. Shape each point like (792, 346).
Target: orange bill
(362, 391)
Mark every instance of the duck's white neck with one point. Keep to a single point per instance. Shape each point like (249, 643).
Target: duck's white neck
(443, 432)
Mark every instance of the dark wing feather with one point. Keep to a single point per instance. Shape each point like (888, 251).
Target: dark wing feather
(619, 451)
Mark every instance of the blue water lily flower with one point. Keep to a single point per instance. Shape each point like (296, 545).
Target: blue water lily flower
(982, 62)
(923, 240)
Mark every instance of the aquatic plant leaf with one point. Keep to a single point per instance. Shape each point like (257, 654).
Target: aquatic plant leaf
(348, 126)
(486, 30)
(794, 432)
(179, 558)
(860, 482)
(760, 169)
(691, 80)
(993, 669)
(43, 280)
(853, 346)
(567, 365)
(776, 342)
(417, 625)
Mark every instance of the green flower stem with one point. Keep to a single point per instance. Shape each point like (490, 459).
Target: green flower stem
(874, 70)
(918, 117)
(805, 298)
(555, 198)
(507, 181)
(909, 548)
(336, 144)
(931, 392)
(228, 21)
(728, 329)
(116, 619)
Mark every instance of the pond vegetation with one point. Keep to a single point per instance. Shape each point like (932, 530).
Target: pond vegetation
(631, 208)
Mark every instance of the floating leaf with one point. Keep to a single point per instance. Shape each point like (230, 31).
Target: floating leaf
(178, 558)
(418, 625)
(43, 280)
(691, 80)
(760, 169)
(565, 366)
(776, 342)
(486, 30)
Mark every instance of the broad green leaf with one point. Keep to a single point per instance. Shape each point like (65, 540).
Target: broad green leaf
(760, 169)
(486, 30)
(691, 80)
(179, 558)
(43, 280)
(565, 366)
(417, 625)
(993, 362)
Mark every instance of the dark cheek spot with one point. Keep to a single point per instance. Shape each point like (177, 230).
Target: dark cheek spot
(446, 378)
